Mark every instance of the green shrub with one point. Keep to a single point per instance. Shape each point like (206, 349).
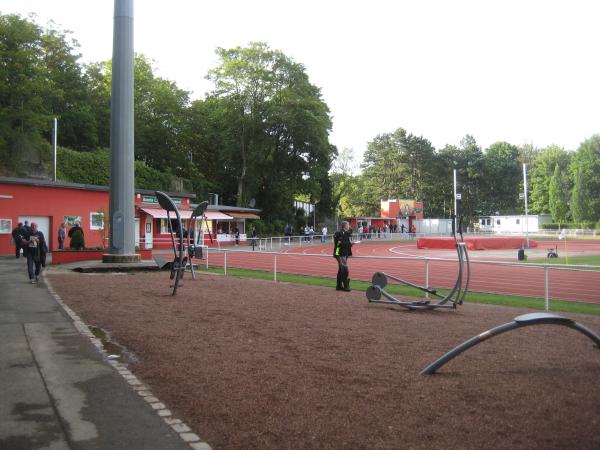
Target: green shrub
(568, 226)
(77, 241)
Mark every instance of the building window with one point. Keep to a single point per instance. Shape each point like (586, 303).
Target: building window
(518, 221)
(97, 221)
(5, 226)
(164, 226)
(489, 221)
(497, 221)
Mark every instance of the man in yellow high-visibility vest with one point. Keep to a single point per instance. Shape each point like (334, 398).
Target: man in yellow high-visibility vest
(342, 250)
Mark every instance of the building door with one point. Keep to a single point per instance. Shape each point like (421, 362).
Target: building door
(43, 226)
(148, 233)
(137, 232)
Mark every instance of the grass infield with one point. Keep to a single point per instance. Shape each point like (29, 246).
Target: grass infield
(474, 297)
(592, 260)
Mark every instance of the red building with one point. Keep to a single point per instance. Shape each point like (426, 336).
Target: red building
(393, 212)
(51, 203)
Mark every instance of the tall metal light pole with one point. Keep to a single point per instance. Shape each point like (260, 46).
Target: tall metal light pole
(121, 205)
(526, 205)
(455, 195)
(54, 140)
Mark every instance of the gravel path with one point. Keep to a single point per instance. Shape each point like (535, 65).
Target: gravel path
(257, 364)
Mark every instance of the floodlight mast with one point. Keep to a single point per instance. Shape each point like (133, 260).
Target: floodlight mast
(455, 211)
(121, 204)
(526, 205)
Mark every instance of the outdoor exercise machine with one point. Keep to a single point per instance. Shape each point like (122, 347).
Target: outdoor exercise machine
(451, 300)
(552, 252)
(182, 253)
(518, 322)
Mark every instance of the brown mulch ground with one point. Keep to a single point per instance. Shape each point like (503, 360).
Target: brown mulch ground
(257, 364)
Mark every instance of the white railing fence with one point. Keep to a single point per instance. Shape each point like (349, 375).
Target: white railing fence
(540, 281)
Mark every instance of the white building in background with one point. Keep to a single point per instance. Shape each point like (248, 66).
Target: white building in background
(433, 226)
(513, 224)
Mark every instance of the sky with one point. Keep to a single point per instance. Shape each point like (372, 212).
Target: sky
(524, 71)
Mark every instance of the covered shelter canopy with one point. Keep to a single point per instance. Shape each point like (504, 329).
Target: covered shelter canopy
(159, 213)
(242, 215)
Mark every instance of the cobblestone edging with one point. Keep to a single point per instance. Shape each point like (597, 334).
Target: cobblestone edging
(184, 431)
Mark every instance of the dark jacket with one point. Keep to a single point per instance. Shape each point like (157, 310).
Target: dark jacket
(341, 243)
(74, 229)
(38, 251)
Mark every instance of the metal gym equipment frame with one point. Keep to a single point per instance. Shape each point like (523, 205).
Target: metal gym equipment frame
(195, 250)
(451, 300)
(518, 322)
(180, 260)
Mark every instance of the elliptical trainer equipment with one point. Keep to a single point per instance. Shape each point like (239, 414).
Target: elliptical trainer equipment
(451, 300)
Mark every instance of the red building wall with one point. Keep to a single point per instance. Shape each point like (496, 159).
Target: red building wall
(54, 203)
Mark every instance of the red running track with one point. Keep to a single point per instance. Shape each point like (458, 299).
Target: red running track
(493, 278)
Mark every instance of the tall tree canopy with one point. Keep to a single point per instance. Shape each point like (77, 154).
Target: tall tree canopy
(39, 79)
(502, 179)
(541, 171)
(279, 126)
(585, 169)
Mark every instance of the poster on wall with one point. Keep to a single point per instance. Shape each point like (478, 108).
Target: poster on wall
(411, 208)
(71, 220)
(5, 226)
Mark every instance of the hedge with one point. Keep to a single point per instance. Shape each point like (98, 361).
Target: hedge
(569, 226)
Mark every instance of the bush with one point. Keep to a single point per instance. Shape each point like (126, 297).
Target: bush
(77, 241)
(568, 226)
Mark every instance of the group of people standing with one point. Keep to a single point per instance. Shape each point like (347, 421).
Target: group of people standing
(28, 238)
(31, 242)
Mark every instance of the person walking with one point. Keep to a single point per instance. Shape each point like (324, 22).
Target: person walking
(17, 238)
(342, 250)
(36, 249)
(62, 235)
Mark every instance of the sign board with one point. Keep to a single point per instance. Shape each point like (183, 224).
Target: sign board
(521, 196)
(458, 196)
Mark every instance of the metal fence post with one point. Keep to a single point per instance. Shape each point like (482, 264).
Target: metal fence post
(225, 262)
(274, 267)
(546, 293)
(206, 258)
(427, 277)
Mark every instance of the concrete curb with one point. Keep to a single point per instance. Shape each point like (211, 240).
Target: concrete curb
(184, 431)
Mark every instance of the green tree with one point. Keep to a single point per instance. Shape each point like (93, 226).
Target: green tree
(24, 112)
(468, 161)
(341, 177)
(160, 114)
(280, 127)
(40, 78)
(541, 171)
(503, 179)
(558, 195)
(585, 169)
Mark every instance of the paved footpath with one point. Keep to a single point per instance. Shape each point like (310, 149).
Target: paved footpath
(57, 390)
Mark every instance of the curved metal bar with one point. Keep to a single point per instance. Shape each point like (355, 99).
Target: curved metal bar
(468, 262)
(518, 322)
(197, 212)
(407, 283)
(178, 266)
